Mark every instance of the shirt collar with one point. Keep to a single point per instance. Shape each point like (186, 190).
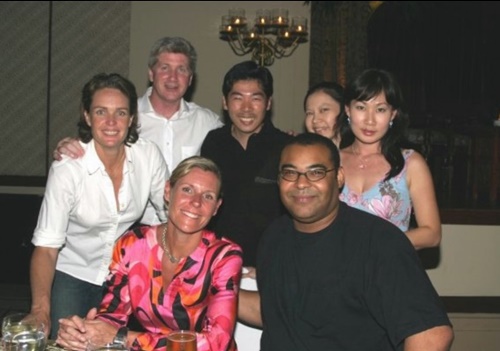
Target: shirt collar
(92, 160)
(146, 107)
(94, 163)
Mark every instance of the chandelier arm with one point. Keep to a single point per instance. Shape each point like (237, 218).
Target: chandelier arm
(243, 47)
(262, 52)
(288, 51)
(277, 48)
(281, 51)
(268, 45)
(238, 48)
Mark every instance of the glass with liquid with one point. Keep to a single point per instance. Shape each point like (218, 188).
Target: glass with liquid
(107, 347)
(181, 340)
(21, 332)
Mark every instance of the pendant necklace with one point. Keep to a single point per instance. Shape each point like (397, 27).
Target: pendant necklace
(171, 257)
(363, 164)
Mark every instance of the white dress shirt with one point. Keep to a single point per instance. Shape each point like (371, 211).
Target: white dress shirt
(178, 137)
(79, 211)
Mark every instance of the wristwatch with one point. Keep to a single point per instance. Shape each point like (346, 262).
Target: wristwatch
(121, 336)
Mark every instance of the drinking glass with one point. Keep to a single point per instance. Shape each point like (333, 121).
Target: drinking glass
(181, 340)
(21, 332)
(107, 347)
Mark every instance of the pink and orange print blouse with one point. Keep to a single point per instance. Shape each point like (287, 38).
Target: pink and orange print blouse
(202, 295)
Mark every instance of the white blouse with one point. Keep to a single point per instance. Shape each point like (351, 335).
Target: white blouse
(79, 213)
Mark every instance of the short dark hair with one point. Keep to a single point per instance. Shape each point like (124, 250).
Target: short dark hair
(305, 139)
(332, 89)
(248, 70)
(113, 81)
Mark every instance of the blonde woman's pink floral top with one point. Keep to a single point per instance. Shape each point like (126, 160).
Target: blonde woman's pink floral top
(387, 199)
(201, 297)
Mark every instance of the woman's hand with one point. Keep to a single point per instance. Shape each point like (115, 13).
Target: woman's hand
(72, 333)
(76, 333)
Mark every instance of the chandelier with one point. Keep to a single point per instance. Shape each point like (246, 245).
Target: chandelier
(272, 36)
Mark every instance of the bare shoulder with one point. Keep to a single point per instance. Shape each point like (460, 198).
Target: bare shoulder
(418, 172)
(416, 162)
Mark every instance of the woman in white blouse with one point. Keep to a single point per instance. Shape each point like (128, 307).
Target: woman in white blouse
(91, 201)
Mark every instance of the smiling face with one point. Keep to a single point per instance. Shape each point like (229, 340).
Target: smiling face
(313, 205)
(321, 114)
(109, 118)
(370, 119)
(193, 200)
(171, 77)
(247, 105)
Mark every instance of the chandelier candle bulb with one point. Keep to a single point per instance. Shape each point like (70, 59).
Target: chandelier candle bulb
(237, 17)
(225, 26)
(299, 25)
(262, 17)
(280, 17)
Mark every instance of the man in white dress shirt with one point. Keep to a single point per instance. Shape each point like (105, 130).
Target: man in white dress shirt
(177, 126)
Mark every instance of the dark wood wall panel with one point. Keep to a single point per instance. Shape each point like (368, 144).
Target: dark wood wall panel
(24, 43)
(49, 50)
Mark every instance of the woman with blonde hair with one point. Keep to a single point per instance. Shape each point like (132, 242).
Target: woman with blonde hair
(173, 276)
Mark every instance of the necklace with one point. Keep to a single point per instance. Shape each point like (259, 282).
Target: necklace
(363, 164)
(171, 257)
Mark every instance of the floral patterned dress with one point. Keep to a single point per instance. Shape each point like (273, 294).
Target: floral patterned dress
(202, 295)
(387, 199)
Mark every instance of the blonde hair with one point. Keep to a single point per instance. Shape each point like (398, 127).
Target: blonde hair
(200, 162)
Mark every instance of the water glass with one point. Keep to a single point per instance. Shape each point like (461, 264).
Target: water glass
(21, 332)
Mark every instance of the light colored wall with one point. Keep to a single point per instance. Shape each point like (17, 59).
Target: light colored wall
(199, 23)
(470, 261)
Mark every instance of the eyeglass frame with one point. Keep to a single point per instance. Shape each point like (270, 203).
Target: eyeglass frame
(298, 174)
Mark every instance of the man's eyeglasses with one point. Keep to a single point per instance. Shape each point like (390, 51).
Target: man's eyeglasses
(313, 175)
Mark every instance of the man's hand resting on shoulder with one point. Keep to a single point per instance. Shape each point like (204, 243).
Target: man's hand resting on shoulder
(69, 147)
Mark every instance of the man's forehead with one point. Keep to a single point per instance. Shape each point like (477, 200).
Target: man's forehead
(250, 86)
(172, 57)
(305, 156)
